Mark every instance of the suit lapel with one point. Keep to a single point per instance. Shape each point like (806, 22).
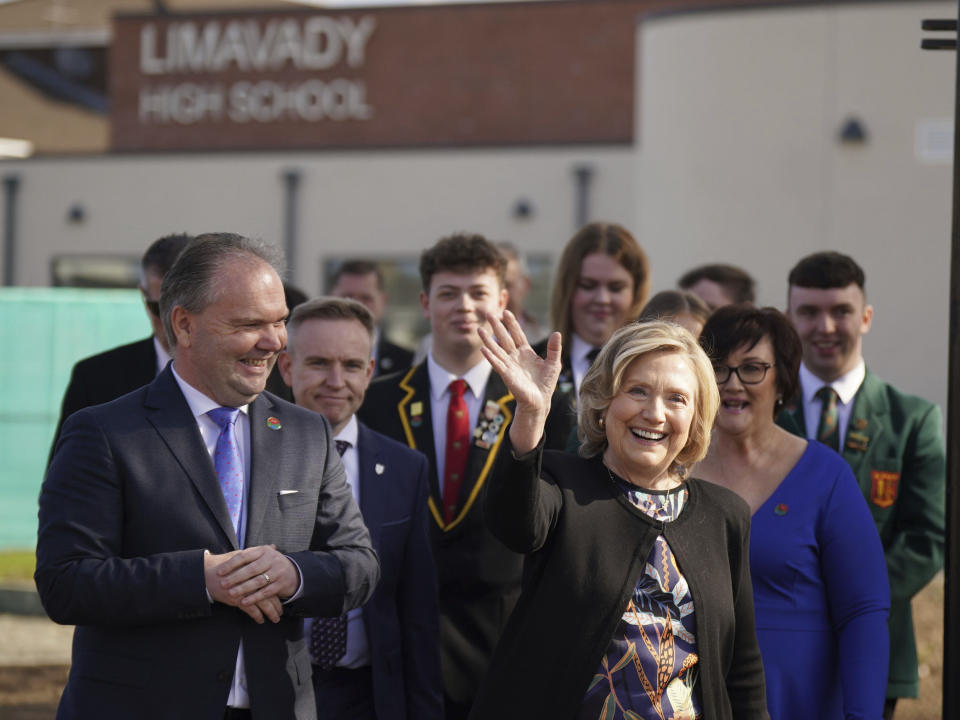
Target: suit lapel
(369, 460)
(416, 418)
(168, 412)
(867, 422)
(266, 446)
(492, 423)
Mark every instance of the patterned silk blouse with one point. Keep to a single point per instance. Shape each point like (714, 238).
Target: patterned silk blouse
(649, 671)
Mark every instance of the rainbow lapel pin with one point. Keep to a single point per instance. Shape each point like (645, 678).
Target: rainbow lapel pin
(273, 423)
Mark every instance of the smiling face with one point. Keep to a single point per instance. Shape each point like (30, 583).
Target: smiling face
(831, 323)
(227, 350)
(458, 304)
(602, 300)
(648, 421)
(744, 408)
(329, 367)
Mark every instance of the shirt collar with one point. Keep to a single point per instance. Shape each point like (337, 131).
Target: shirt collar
(349, 432)
(440, 378)
(846, 385)
(163, 357)
(200, 404)
(579, 348)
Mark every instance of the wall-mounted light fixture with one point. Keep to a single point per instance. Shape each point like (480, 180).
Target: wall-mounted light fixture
(852, 132)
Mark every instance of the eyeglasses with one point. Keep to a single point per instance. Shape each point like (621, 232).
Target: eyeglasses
(749, 373)
(153, 306)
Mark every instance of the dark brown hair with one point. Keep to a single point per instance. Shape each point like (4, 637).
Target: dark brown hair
(461, 253)
(743, 326)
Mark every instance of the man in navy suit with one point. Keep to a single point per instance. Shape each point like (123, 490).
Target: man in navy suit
(362, 280)
(388, 668)
(115, 372)
(188, 527)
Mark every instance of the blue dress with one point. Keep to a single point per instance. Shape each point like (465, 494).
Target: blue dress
(821, 594)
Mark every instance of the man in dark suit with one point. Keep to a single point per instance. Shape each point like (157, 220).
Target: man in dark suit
(188, 527)
(362, 280)
(389, 668)
(105, 377)
(891, 440)
(453, 409)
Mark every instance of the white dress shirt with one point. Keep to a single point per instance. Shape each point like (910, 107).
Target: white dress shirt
(163, 357)
(440, 380)
(846, 387)
(200, 405)
(579, 349)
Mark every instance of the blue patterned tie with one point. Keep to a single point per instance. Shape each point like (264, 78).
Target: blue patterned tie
(328, 636)
(227, 462)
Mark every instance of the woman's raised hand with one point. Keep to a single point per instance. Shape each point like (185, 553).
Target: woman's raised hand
(530, 378)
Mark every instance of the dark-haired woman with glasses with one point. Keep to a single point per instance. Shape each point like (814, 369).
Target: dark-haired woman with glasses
(820, 585)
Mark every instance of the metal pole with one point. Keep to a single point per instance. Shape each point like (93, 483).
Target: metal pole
(291, 183)
(951, 627)
(583, 175)
(11, 183)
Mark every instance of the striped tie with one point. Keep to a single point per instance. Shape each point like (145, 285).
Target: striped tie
(828, 431)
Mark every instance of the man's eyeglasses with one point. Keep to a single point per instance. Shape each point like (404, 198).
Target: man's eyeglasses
(749, 373)
(153, 306)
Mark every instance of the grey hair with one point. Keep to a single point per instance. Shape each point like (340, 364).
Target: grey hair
(328, 308)
(190, 282)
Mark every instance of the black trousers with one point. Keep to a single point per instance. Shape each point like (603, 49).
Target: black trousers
(344, 694)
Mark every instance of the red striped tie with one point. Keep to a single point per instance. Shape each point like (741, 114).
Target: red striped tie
(458, 445)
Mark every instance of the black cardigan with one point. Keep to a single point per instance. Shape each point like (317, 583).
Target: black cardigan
(587, 547)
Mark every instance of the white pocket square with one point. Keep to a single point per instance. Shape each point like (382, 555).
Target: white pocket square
(288, 492)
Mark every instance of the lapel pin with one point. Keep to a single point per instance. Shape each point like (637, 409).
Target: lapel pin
(378, 469)
(273, 423)
(416, 414)
(857, 441)
(781, 509)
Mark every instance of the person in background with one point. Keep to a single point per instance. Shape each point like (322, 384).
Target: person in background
(456, 411)
(387, 666)
(293, 296)
(891, 440)
(187, 527)
(105, 377)
(602, 281)
(820, 588)
(678, 306)
(362, 280)
(719, 285)
(636, 597)
(518, 288)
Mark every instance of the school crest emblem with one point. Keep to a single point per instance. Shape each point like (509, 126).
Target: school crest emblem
(883, 487)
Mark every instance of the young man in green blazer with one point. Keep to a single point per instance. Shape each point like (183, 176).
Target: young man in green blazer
(891, 440)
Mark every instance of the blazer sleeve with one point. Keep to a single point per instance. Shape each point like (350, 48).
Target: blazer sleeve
(341, 569)
(82, 576)
(419, 612)
(915, 553)
(858, 594)
(520, 507)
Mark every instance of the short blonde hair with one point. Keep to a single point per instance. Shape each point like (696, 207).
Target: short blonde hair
(602, 383)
